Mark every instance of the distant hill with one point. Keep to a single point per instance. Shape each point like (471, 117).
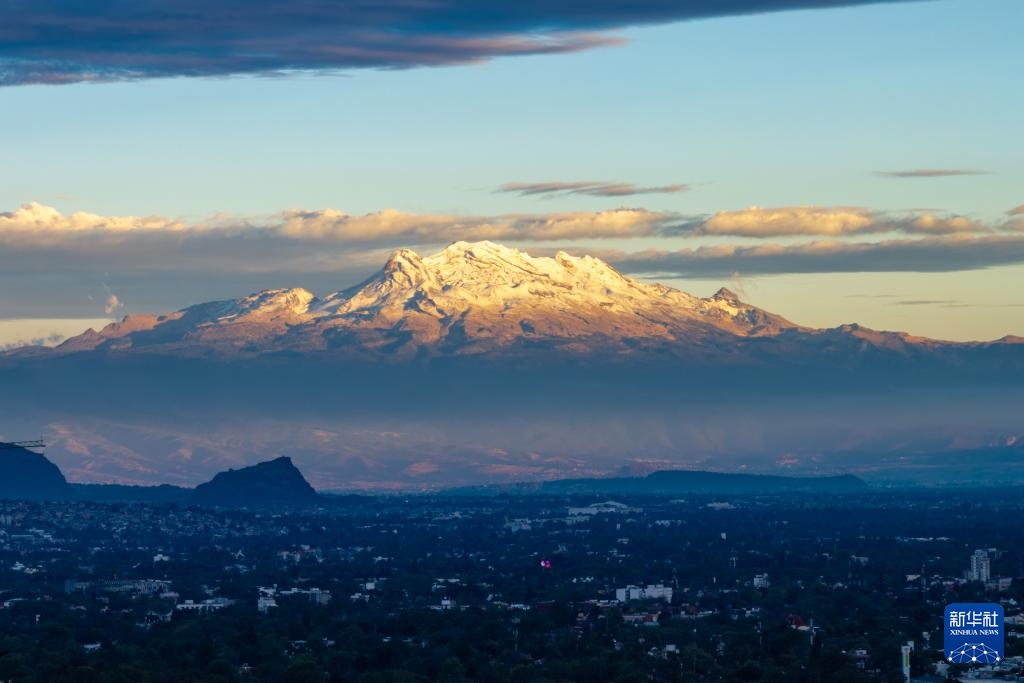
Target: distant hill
(274, 482)
(28, 475)
(119, 493)
(673, 482)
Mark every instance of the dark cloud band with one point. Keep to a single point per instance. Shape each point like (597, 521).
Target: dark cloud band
(925, 255)
(67, 41)
(587, 187)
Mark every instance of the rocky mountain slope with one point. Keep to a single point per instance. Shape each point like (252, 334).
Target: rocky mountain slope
(468, 299)
(477, 299)
(481, 363)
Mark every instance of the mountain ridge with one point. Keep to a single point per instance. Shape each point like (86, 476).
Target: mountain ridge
(473, 299)
(484, 364)
(468, 298)
(278, 482)
(687, 482)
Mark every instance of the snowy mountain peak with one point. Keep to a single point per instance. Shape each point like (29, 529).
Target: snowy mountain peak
(487, 265)
(474, 296)
(726, 294)
(293, 301)
(405, 267)
(469, 298)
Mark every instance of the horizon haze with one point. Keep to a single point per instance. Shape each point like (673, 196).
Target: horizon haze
(449, 244)
(483, 364)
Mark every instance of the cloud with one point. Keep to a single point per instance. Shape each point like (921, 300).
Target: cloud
(390, 225)
(70, 41)
(47, 340)
(931, 173)
(592, 188)
(37, 218)
(1015, 222)
(927, 302)
(35, 223)
(927, 254)
(393, 226)
(824, 221)
(64, 266)
(113, 305)
(60, 267)
(798, 220)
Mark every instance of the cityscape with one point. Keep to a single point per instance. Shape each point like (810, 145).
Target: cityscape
(504, 341)
(498, 587)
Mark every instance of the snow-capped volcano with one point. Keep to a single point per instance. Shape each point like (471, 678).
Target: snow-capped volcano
(468, 298)
(481, 363)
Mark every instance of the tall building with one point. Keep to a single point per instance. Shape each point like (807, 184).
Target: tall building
(981, 566)
(905, 651)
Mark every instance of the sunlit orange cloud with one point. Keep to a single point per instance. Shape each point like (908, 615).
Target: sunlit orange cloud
(156, 263)
(332, 224)
(337, 225)
(829, 221)
(391, 226)
(33, 217)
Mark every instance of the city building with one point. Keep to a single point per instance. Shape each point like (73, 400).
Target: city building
(208, 605)
(650, 592)
(981, 566)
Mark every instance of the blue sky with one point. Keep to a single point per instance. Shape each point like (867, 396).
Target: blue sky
(774, 110)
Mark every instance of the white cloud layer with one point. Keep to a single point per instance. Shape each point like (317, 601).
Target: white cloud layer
(62, 266)
(390, 226)
(113, 305)
(38, 218)
(331, 224)
(757, 221)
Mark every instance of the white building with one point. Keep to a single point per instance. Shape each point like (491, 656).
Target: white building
(265, 603)
(314, 595)
(445, 605)
(205, 606)
(981, 566)
(607, 507)
(650, 592)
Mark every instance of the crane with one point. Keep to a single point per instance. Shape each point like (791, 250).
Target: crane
(38, 443)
